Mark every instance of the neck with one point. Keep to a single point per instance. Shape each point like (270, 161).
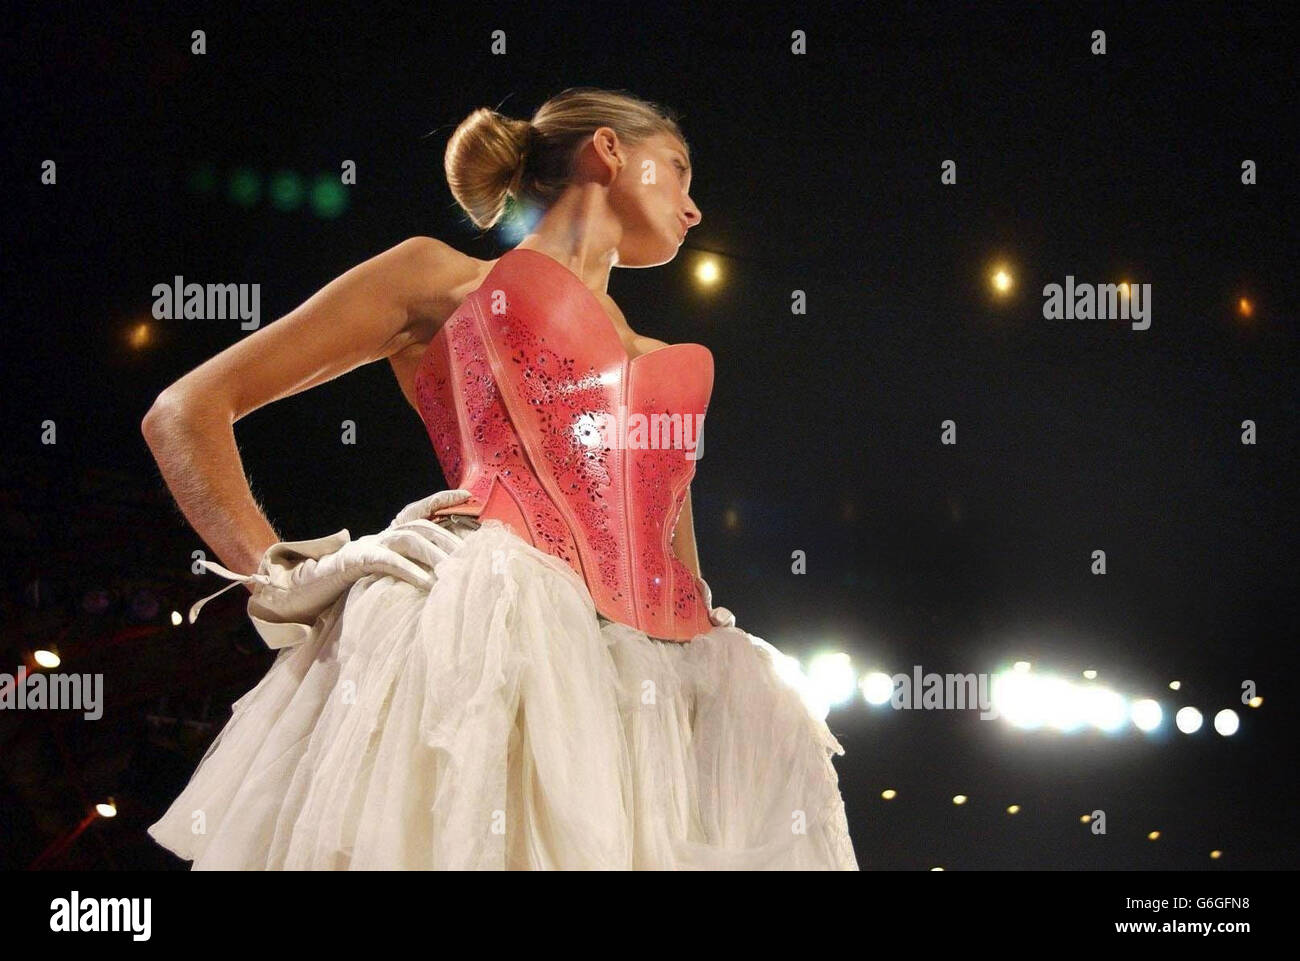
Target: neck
(580, 232)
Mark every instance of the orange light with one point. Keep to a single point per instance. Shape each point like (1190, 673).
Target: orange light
(140, 336)
(1245, 308)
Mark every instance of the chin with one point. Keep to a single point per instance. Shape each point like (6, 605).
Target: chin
(655, 256)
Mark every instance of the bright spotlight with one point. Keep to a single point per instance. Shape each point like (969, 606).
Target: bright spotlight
(1014, 809)
(1021, 666)
(45, 658)
(1018, 697)
(1146, 714)
(106, 809)
(889, 794)
(1105, 709)
(707, 272)
(960, 799)
(877, 688)
(177, 619)
(1064, 704)
(832, 678)
(1226, 722)
(1090, 674)
(1188, 720)
(1175, 685)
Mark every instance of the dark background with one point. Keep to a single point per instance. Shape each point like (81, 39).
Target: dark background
(818, 173)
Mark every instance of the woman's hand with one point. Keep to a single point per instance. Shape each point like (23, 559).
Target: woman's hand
(718, 616)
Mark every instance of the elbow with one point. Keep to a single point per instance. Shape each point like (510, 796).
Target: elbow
(167, 408)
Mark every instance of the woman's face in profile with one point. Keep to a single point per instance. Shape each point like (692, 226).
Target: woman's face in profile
(651, 196)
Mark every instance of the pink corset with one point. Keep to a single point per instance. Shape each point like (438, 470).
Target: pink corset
(533, 406)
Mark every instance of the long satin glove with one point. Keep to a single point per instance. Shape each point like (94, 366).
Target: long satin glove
(718, 616)
(297, 580)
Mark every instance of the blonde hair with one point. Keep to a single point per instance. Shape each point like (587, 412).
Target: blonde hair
(491, 157)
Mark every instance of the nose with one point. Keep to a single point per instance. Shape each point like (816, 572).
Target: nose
(692, 215)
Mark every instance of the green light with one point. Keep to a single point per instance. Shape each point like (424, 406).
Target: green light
(245, 187)
(203, 179)
(328, 198)
(287, 190)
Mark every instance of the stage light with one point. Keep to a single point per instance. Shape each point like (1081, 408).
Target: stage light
(960, 799)
(832, 677)
(1245, 308)
(936, 869)
(140, 335)
(1018, 697)
(177, 620)
(46, 658)
(1104, 709)
(1226, 722)
(1090, 675)
(517, 222)
(707, 271)
(329, 198)
(1014, 809)
(1215, 855)
(1021, 666)
(1188, 720)
(889, 794)
(106, 809)
(1001, 280)
(1256, 701)
(1146, 715)
(1063, 704)
(1085, 818)
(244, 187)
(877, 688)
(1175, 685)
(287, 190)
(1153, 836)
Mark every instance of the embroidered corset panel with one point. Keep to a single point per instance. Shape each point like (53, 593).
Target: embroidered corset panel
(533, 406)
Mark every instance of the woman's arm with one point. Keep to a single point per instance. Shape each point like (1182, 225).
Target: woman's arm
(684, 538)
(368, 313)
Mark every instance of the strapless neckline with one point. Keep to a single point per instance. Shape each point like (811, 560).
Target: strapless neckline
(608, 326)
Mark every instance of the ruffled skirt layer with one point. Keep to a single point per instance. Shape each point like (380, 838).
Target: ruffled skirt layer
(491, 719)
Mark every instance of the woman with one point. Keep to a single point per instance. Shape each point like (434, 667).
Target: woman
(523, 671)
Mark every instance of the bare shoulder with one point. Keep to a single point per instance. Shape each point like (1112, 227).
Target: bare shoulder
(442, 277)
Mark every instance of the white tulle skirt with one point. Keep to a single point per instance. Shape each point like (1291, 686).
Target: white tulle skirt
(494, 720)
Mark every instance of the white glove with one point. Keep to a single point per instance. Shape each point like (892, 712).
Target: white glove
(718, 616)
(297, 580)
